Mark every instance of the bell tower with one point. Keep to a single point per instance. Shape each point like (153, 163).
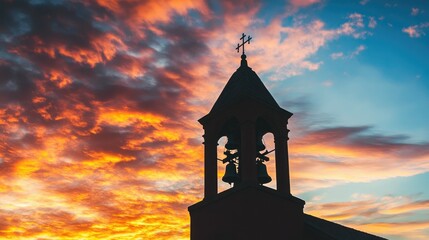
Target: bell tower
(244, 112)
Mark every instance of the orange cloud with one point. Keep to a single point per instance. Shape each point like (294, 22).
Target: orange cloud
(413, 230)
(356, 214)
(409, 207)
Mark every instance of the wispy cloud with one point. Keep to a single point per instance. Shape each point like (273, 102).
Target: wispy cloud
(337, 55)
(357, 19)
(356, 23)
(357, 51)
(408, 207)
(286, 56)
(330, 149)
(387, 209)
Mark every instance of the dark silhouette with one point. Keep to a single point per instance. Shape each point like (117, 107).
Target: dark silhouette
(244, 112)
(242, 44)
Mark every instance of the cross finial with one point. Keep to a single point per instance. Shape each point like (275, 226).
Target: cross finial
(243, 42)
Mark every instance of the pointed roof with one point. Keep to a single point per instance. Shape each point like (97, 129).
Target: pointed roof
(244, 84)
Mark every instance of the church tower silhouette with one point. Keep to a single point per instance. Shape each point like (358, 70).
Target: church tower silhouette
(244, 112)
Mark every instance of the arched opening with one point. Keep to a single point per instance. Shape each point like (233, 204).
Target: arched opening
(265, 160)
(268, 141)
(222, 186)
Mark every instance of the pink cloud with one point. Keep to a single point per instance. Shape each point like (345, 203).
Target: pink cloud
(282, 49)
(357, 19)
(303, 3)
(357, 51)
(416, 31)
(412, 31)
(355, 26)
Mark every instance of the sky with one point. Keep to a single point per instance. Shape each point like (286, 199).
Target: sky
(99, 102)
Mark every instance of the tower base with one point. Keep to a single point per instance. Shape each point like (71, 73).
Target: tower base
(248, 212)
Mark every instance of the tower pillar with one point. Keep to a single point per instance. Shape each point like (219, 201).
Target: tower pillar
(210, 165)
(282, 161)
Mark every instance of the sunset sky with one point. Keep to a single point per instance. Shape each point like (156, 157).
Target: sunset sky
(99, 102)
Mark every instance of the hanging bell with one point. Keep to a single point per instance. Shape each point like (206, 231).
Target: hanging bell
(233, 142)
(259, 144)
(230, 173)
(263, 176)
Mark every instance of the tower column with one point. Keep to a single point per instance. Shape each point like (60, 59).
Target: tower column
(282, 161)
(210, 166)
(248, 153)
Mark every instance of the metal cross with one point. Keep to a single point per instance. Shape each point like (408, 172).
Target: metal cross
(242, 44)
